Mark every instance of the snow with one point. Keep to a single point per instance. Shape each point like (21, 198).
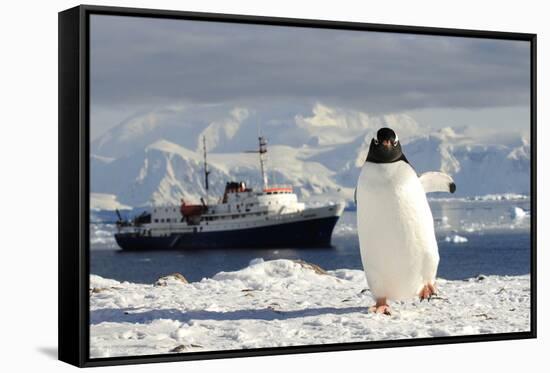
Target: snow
(456, 239)
(104, 201)
(156, 157)
(283, 303)
(100, 282)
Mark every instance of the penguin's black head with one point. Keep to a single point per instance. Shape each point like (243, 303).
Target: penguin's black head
(385, 147)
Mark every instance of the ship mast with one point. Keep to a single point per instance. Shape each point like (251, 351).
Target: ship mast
(206, 171)
(263, 160)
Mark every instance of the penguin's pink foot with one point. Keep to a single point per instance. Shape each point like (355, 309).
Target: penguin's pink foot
(381, 307)
(427, 292)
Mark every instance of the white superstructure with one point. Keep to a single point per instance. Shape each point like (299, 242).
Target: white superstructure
(241, 208)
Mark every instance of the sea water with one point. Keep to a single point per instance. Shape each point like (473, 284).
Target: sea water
(490, 236)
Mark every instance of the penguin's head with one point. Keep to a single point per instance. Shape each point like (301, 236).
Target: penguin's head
(385, 147)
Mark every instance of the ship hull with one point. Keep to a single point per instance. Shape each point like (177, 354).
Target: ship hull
(306, 233)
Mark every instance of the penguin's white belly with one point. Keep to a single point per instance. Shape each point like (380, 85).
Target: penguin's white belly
(396, 231)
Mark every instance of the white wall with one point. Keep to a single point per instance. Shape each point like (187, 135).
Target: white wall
(28, 146)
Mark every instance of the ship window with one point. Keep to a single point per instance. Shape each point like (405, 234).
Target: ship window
(162, 220)
(156, 220)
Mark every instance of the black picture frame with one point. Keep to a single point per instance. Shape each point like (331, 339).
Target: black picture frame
(74, 189)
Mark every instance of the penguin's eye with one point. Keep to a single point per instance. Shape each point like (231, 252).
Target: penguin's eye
(396, 141)
(376, 142)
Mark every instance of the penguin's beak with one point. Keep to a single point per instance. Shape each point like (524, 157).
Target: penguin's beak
(387, 144)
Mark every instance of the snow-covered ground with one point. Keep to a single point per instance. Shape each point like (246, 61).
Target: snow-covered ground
(283, 303)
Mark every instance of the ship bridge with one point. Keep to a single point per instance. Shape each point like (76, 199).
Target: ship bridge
(279, 199)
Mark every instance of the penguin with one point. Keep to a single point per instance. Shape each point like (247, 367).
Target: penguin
(396, 232)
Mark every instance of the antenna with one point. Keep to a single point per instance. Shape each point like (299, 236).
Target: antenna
(206, 172)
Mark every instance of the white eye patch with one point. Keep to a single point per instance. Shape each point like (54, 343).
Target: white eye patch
(396, 141)
(375, 141)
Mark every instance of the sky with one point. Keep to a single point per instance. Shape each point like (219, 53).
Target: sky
(143, 64)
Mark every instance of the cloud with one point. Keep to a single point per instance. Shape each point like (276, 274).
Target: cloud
(144, 61)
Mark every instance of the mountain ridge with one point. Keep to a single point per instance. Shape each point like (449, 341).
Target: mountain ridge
(157, 167)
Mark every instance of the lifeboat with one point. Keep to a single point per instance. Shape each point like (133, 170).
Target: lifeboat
(191, 210)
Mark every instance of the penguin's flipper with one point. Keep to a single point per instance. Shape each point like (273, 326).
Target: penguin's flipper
(437, 182)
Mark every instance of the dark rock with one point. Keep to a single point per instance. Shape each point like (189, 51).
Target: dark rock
(180, 348)
(183, 348)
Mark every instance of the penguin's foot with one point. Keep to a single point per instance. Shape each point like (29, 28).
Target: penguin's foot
(427, 292)
(381, 307)
(385, 309)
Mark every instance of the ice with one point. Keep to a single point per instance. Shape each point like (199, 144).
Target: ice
(518, 213)
(500, 197)
(283, 303)
(456, 239)
(345, 229)
(102, 236)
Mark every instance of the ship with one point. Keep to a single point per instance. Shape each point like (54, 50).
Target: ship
(271, 217)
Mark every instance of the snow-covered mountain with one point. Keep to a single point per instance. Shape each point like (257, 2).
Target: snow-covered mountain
(478, 166)
(232, 129)
(150, 160)
(165, 172)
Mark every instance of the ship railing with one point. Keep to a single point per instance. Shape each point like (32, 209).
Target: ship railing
(278, 188)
